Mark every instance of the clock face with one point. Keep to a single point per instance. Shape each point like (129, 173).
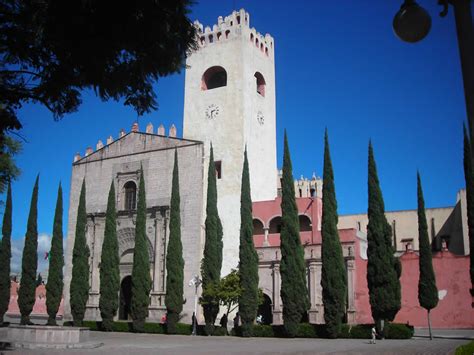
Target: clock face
(212, 111)
(260, 118)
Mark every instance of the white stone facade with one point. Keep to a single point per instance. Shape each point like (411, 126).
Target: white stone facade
(234, 115)
(120, 161)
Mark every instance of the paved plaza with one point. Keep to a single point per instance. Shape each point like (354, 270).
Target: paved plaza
(128, 343)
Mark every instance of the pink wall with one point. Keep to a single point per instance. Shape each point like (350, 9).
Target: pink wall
(452, 279)
(40, 304)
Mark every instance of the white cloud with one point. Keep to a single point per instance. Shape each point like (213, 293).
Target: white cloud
(44, 245)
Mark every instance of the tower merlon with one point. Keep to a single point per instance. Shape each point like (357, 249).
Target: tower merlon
(236, 25)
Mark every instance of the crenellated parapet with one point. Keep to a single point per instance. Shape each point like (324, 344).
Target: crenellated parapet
(172, 133)
(234, 26)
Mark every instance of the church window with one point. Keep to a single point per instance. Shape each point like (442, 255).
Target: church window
(305, 223)
(203, 40)
(231, 23)
(260, 83)
(312, 192)
(266, 51)
(211, 38)
(130, 190)
(227, 33)
(238, 20)
(301, 192)
(219, 34)
(251, 37)
(214, 77)
(218, 165)
(257, 227)
(256, 42)
(261, 47)
(275, 225)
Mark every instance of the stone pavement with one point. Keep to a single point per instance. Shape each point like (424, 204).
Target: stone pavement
(129, 343)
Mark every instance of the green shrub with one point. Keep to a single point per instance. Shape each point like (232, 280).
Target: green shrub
(184, 329)
(359, 331)
(398, 331)
(154, 328)
(219, 331)
(467, 349)
(306, 330)
(262, 331)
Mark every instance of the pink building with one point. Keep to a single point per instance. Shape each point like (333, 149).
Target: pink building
(452, 272)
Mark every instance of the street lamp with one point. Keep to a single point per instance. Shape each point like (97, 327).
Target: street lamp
(412, 23)
(196, 282)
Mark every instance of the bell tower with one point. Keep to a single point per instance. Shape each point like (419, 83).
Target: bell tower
(230, 101)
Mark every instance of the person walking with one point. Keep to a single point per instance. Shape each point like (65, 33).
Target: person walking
(223, 322)
(374, 334)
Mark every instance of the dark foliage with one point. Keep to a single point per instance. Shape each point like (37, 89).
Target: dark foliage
(294, 293)
(29, 261)
(174, 257)
(9, 147)
(79, 289)
(141, 279)
(5, 255)
(469, 177)
(382, 266)
(109, 265)
(212, 260)
(46, 48)
(248, 259)
(427, 291)
(333, 279)
(54, 287)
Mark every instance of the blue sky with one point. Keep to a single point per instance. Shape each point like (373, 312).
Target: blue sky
(338, 65)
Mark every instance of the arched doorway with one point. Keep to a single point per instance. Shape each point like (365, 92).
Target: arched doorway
(125, 298)
(265, 310)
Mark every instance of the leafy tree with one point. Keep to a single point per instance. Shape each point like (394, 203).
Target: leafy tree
(294, 293)
(29, 261)
(54, 287)
(141, 279)
(46, 46)
(383, 269)
(230, 292)
(469, 177)
(427, 291)
(174, 257)
(5, 255)
(212, 260)
(109, 265)
(79, 288)
(248, 259)
(9, 147)
(334, 278)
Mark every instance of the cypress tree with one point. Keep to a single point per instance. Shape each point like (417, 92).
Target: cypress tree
(174, 256)
(29, 261)
(79, 288)
(248, 259)
(141, 279)
(5, 255)
(469, 177)
(212, 259)
(294, 293)
(109, 265)
(54, 287)
(334, 278)
(427, 291)
(382, 266)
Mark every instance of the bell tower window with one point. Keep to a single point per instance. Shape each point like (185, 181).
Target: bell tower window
(260, 81)
(130, 191)
(214, 77)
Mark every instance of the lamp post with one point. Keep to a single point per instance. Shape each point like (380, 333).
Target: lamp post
(196, 282)
(412, 23)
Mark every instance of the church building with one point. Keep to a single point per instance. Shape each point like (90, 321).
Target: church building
(229, 103)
